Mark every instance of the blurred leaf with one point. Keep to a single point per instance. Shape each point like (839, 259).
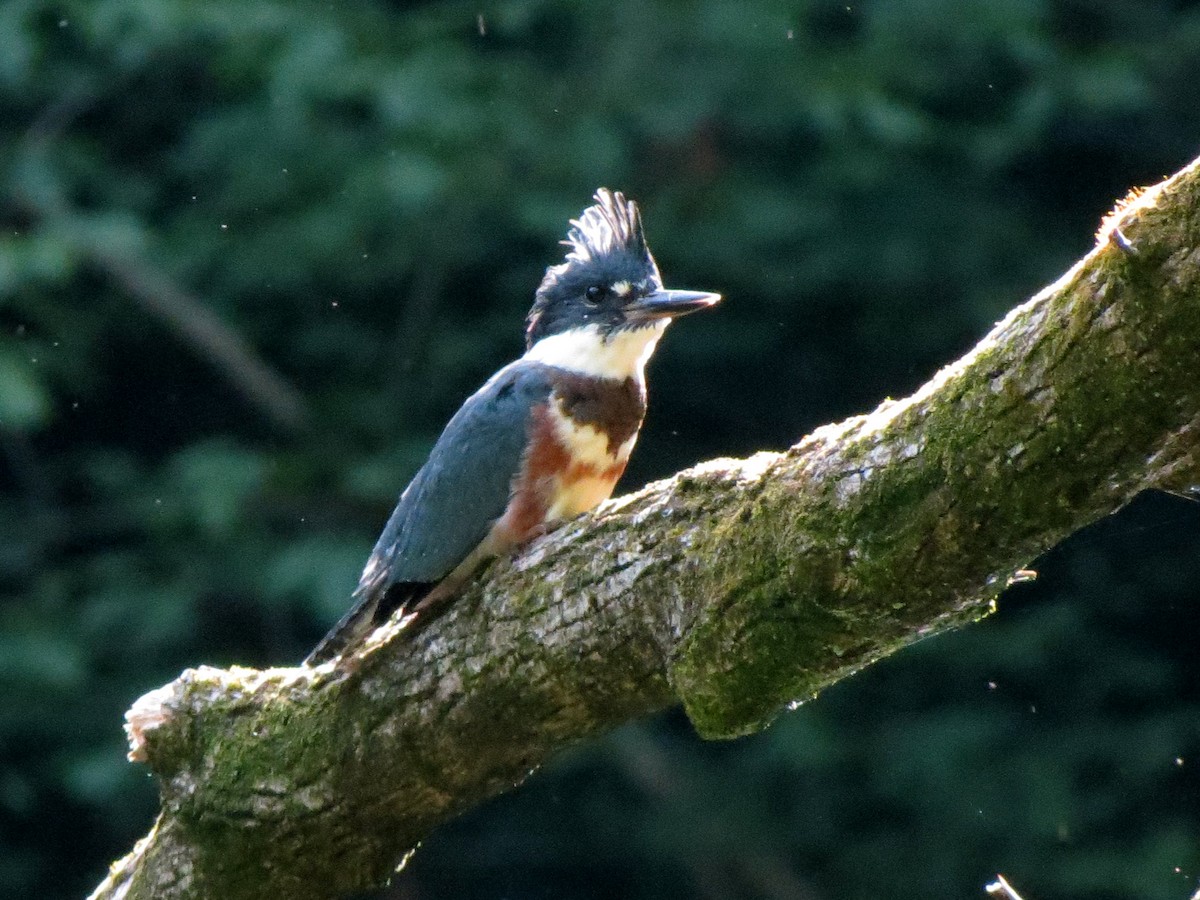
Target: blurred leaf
(28, 656)
(214, 481)
(323, 569)
(24, 401)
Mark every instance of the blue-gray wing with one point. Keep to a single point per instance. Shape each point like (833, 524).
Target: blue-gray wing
(450, 505)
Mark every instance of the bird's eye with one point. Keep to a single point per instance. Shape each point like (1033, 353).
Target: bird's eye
(595, 293)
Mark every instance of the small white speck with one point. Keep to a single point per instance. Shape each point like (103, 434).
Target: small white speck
(158, 501)
(334, 304)
(991, 685)
(224, 227)
(1179, 760)
(481, 25)
(63, 23)
(790, 34)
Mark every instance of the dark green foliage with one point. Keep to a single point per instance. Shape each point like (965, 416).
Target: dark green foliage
(366, 194)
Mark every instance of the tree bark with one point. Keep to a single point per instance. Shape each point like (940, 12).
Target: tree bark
(737, 587)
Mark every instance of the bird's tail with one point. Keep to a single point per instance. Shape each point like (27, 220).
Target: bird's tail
(369, 612)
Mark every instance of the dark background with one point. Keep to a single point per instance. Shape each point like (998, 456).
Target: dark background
(365, 195)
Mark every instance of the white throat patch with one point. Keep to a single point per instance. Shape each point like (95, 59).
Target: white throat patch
(584, 350)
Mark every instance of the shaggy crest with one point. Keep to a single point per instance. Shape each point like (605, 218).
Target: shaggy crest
(613, 225)
(607, 244)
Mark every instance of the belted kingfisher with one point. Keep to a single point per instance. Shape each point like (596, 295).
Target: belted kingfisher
(545, 439)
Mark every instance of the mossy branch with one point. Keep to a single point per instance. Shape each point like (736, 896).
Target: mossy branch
(736, 588)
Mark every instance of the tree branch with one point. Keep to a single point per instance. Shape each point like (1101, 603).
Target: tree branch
(204, 331)
(737, 587)
(187, 315)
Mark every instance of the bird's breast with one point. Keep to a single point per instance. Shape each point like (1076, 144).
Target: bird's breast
(580, 441)
(589, 473)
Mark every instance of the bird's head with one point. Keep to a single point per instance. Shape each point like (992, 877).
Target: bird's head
(607, 296)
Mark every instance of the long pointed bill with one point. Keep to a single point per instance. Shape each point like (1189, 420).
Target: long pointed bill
(666, 304)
